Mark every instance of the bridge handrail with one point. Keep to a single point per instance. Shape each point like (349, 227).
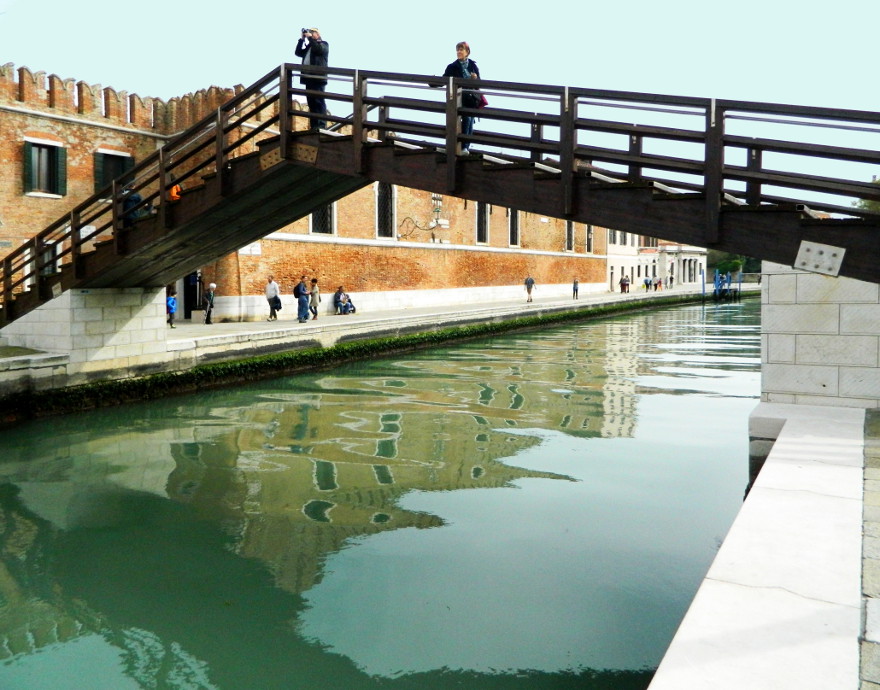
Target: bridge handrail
(563, 125)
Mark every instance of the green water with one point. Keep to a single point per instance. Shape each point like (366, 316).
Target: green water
(529, 511)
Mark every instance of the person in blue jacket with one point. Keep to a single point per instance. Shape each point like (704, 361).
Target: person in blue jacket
(301, 292)
(171, 306)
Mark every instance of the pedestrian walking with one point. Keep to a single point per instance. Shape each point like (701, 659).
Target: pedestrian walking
(208, 303)
(301, 292)
(314, 299)
(273, 297)
(574, 289)
(529, 285)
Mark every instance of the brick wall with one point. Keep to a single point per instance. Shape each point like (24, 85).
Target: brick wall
(85, 118)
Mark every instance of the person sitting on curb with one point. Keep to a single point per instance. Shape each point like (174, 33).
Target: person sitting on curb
(343, 302)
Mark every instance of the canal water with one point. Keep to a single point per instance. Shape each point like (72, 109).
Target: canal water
(534, 510)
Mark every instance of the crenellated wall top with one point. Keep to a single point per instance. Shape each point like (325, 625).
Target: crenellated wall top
(20, 87)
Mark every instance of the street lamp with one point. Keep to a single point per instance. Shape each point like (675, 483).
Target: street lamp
(430, 226)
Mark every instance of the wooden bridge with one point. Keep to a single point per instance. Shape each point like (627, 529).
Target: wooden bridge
(688, 170)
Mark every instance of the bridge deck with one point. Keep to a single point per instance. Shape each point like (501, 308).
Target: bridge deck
(560, 152)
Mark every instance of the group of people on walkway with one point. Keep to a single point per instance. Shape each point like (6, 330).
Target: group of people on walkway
(308, 299)
(654, 283)
(648, 283)
(207, 304)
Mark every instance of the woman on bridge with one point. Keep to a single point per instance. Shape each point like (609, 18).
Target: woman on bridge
(465, 68)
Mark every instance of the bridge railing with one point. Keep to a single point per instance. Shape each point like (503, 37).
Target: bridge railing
(755, 153)
(741, 152)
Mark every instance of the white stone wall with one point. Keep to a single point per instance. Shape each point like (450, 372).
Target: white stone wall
(253, 307)
(118, 328)
(820, 339)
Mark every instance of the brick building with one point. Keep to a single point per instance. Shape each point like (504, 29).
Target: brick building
(392, 246)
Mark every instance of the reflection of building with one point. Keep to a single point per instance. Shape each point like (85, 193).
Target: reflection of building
(290, 470)
(622, 364)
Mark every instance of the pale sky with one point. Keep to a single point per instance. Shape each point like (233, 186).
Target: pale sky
(803, 53)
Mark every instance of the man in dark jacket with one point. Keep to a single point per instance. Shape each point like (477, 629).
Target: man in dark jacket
(314, 51)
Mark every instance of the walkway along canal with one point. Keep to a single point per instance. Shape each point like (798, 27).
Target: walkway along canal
(530, 510)
(36, 383)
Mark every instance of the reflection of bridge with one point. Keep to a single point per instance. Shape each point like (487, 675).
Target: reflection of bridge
(556, 151)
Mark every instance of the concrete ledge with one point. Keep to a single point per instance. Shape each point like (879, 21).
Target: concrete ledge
(781, 604)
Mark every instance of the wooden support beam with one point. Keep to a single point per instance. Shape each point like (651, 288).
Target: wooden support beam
(712, 178)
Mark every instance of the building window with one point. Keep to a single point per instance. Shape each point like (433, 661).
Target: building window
(323, 220)
(612, 237)
(45, 168)
(569, 235)
(482, 223)
(623, 239)
(513, 227)
(589, 239)
(109, 166)
(384, 209)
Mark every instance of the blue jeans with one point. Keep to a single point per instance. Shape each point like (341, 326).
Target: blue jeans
(302, 308)
(317, 104)
(467, 127)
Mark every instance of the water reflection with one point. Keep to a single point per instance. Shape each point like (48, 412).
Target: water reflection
(516, 512)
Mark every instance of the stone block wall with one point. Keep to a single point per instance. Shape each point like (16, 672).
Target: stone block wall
(99, 329)
(820, 339)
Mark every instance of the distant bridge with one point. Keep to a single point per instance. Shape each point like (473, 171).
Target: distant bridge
(688, 170)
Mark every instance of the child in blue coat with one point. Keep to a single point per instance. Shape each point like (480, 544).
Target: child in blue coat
(171, 305)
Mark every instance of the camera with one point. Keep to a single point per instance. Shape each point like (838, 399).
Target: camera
(305, 30)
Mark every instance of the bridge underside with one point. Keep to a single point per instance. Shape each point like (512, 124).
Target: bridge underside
(772, 232)
(264, 191)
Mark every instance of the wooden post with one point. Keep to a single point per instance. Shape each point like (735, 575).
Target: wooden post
(284, 123)
(118, 217)
(713, 174)
(453, 129)
(383, 119)
(566, 150)
(219, 152)
(163, 190)
(635, 149)
(39, 263)
(76, 243)
(537, 131)
(359, 114)
(7, 290)
(753, 187)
